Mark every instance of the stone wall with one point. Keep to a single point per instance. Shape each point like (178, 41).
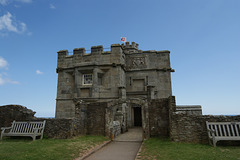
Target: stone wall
(96, 118)
(159, 117)
(192, 128)
(58, 128)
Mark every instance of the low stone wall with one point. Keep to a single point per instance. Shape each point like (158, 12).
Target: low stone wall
(54, 128)
(90, 119)
(192, 128)
(58, 128)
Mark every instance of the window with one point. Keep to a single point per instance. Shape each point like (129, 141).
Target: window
(87, 79)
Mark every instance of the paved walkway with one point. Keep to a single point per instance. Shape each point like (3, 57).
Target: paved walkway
(124, 147)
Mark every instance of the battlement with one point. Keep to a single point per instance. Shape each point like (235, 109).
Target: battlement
(98, 50)
(95, 50)
(127, 45)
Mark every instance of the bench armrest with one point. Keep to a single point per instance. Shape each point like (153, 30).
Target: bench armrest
(4, 128)
(36, 129)
(212, 131)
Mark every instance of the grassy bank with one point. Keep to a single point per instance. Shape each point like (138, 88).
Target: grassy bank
(163, 149)
(50, 149)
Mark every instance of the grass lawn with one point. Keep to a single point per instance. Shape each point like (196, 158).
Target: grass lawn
(164, 149)
(47, 149)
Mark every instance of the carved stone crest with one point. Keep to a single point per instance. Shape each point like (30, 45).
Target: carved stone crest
(138, 62)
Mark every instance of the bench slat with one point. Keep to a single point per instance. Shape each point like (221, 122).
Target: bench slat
(229, 134)
(233, 133)
(212, 128)
(17, 127)
(25, 128)
(236, 129)
(20, 127)
(238, 126)
(34, 126)
(216, 129)
(224, 130)
(31, 128)
(220, 129)
(28, 128)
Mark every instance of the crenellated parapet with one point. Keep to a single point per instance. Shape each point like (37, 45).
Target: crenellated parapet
(126, 54)
(96, 56)
(99, 50)
(95, 50)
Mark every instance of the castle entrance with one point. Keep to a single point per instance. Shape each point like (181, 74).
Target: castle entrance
(137, 116)
(137, 111)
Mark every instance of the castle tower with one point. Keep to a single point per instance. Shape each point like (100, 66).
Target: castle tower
(101, 76)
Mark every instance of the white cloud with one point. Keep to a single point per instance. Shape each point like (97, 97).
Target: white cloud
(3, 63)
(25, 1)
(3, 2)
(52, 6)
(39, 72)
(3, 76)
(6, 2)
(4, 80)
(23, 27)
(8, 23)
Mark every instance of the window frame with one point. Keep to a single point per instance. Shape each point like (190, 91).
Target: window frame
(85, 77)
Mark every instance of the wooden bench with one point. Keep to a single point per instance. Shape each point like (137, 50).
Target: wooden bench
(29, 129)
(218, 131)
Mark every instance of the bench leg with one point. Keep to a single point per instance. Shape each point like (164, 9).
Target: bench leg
(214, 142)
(33, 137)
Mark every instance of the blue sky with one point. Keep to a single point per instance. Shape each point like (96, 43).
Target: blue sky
(202, 35)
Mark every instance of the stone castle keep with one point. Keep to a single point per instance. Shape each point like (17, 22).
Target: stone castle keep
(124, 86)
(123, 73)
